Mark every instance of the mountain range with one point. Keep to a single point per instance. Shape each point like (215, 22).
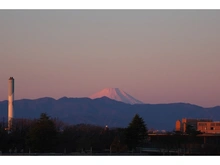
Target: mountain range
(102, 111)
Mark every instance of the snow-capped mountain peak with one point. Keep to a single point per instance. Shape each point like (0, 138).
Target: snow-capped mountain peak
(116, 94)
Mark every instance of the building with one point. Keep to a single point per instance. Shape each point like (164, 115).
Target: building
(209, 127)
(178, 125)
(181, 126)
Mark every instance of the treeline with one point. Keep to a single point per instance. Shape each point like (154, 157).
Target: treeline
(48, 135)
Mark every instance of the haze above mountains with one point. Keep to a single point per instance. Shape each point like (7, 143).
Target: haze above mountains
(156, 56)
(104, 110)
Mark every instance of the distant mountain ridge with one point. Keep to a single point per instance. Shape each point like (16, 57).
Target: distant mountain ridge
(116, 94)
(102, 111)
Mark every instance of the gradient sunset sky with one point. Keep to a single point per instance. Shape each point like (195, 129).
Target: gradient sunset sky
(157, 56)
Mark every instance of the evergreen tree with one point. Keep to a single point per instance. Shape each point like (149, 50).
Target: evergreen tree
(136, 133)
(42, 135)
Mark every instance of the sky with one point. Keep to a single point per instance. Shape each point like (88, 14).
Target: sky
(157, 56)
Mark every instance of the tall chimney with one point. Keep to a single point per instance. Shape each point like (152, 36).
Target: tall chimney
(10, 102)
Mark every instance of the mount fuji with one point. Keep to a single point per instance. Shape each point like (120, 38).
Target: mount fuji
(116, 94)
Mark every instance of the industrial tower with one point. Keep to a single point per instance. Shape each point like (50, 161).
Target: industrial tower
(10, 102)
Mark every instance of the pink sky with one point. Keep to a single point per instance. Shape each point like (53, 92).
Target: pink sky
(155, 56)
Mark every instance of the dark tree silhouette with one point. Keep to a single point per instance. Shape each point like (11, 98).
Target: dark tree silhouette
(42, 135)
(117, 146)
(136, 133)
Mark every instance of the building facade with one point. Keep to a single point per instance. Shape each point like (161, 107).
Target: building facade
(209, 127)
(181, 126)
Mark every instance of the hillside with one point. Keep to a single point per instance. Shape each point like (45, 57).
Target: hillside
(102, 111)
